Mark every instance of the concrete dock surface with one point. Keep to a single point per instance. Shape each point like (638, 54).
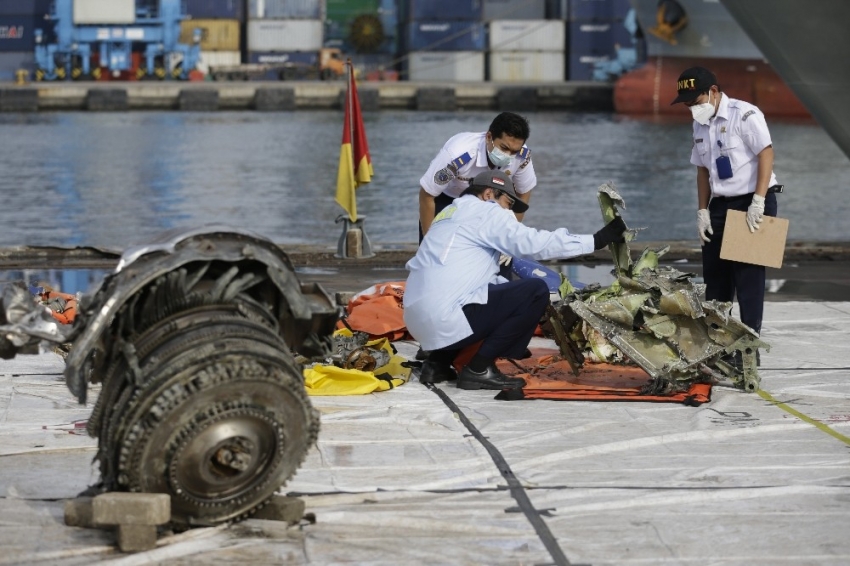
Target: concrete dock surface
(417, 475)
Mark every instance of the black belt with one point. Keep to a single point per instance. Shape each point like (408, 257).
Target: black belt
(773, 189)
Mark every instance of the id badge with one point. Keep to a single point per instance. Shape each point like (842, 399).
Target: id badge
(724, 167)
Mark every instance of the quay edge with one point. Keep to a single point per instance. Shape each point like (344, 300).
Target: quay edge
(306, 95)
(389, 255)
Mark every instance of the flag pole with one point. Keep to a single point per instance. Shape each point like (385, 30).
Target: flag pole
(355, 168)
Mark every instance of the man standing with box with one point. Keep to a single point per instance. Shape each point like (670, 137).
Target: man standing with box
(733, 153)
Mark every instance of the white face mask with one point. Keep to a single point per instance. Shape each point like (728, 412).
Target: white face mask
(702, 113)
(498, 157)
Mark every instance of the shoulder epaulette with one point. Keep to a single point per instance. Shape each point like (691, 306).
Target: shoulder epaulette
(462, 160)
(523, 153)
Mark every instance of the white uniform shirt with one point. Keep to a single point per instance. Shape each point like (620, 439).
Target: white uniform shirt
(742, 132)
(459, 258)
(463, 157)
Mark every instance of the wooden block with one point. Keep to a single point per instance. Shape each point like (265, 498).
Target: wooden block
(354, 243)
(766, 246)
(78, 512)
(136, 538)
(122, 508)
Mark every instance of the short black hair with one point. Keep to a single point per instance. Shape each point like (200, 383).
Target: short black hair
(474, 190)
(510, 123)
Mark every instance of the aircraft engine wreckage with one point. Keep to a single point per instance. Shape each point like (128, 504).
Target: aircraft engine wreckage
(198, 341)
(193, 339)
(653, 317)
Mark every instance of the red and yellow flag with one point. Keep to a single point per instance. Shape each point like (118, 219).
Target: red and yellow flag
(355, 164)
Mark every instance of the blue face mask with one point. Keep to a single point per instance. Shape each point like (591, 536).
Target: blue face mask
(498, 157)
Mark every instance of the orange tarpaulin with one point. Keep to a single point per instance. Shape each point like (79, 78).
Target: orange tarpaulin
(548, 376)
(378, 311)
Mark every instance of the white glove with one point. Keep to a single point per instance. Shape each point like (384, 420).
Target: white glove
(755, 212)
(505, 259)
(704, 225)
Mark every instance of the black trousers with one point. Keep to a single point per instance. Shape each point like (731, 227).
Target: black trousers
(505, 323)
(725, 279)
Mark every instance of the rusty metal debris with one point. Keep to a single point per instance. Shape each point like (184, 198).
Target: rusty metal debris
(194, 340)
(653, 317)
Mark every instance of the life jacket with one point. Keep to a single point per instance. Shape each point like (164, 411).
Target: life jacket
(63, 306)
(322, 379)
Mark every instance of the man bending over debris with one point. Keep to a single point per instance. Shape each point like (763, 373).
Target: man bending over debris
(454, 297)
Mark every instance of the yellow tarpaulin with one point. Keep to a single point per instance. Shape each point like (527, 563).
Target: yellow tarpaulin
(332, 380)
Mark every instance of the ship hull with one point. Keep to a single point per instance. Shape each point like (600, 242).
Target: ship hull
(651, 88)
(808, 44)
(712, 39)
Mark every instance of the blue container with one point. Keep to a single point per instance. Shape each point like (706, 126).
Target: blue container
(440, 10)
(598, 38)
(599, 9)
(24, 7)
(582, 65)
(225, 9)
(287, 9)
(446, 36)
(11, 62)
(513, 10)
(17, 33)
(283, 57)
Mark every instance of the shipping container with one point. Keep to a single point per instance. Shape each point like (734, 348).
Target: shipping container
(527, 66)
(446, 36)
(17, 33)
(218, 58)
(285, 9)
(514, 10)
(344, 10)
(24, 7)
(12, 61)
(457, 66)
(284, 35)
(598, 38)
(389, 45)
(216, 35)
(527, 35)
(362, 27)
(104, 12)
(281, 58)
(582, 65)
(224, 9)
(424, 10)
(599, 9)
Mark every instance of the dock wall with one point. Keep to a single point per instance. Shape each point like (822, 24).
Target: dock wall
(304, 95)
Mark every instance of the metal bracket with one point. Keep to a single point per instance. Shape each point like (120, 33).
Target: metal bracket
(353, 243)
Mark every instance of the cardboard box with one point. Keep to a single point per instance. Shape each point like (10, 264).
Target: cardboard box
(766, 246)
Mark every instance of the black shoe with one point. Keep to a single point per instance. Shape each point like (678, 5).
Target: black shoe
(421, 354)
(491, 378)
(434, 372)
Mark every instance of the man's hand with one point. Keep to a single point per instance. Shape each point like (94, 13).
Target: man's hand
(704, 225)
(612, 233)
(755, 213)
(505, 259)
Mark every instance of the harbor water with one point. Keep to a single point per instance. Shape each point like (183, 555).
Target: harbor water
(116, 179)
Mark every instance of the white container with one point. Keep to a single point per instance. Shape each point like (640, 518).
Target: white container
(454, 66)
(284, 35)
(218, 59)
(527, 66)
(104, 11)
(527, 35)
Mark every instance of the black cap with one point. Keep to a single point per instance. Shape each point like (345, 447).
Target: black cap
(692, 83)
(501, 182)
